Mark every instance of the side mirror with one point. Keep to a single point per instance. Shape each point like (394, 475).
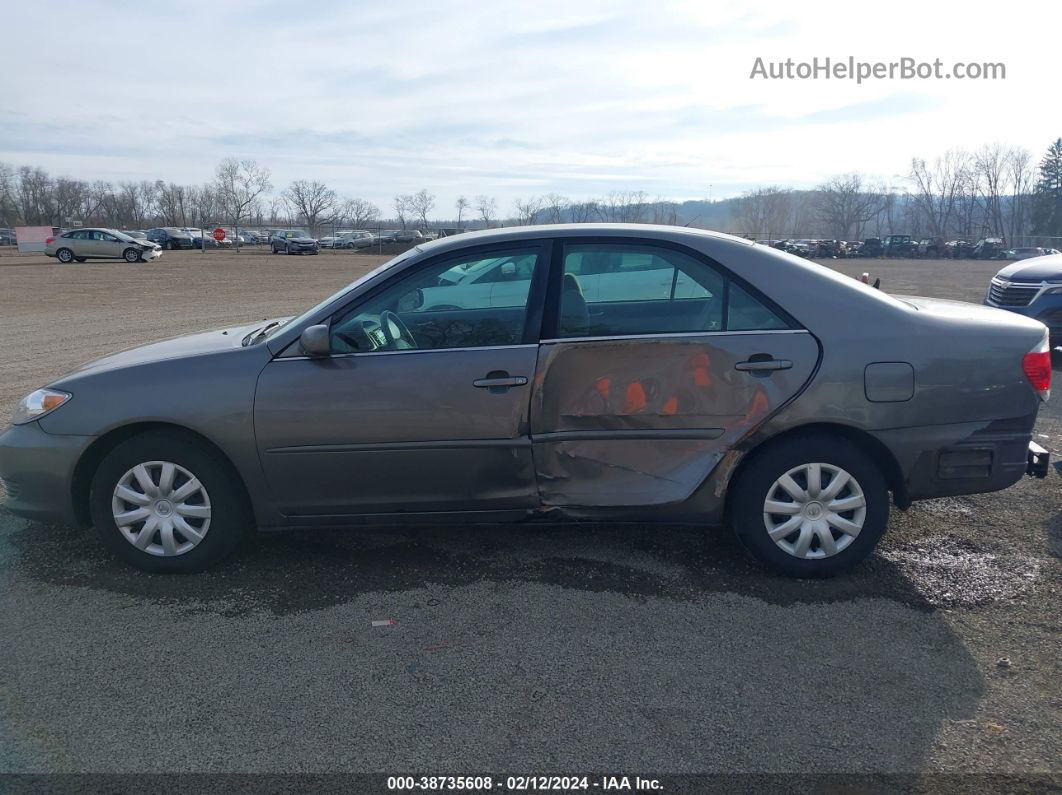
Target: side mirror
(314, 341)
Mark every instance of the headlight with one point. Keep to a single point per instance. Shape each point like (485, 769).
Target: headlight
(1053, 290)
(37, 404)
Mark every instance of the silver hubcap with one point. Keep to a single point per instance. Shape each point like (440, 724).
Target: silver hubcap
(161, 508)
(814, 510)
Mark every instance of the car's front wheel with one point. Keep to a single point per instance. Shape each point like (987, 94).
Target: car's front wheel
(164, 502)
(809, 506)
(131, 255)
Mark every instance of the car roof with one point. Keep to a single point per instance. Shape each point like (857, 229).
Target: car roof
(512, 233)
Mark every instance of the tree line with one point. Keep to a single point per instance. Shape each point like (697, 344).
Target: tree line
(239, 194)
(998, 190)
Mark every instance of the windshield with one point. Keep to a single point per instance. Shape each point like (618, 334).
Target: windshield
(336, 295)
(123, 236)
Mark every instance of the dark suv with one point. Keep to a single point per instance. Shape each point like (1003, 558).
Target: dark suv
(1031, 287)
(171, 237)
(293, 241)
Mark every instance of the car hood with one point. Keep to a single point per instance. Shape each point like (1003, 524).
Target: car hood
(201, 343)
(1035, 269)
(299, 240)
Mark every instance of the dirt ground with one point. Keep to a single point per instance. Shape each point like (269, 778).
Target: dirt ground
(523, 649)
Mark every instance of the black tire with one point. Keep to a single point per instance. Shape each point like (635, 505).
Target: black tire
(749, 491)
(81, 259)
(287, 250)
(65, 256)
(131, 255)
(230, 519)
(274, 249)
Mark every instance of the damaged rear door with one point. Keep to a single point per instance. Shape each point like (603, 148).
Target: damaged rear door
(651, 371)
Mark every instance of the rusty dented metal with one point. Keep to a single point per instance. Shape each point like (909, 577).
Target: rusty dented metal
(642, 421)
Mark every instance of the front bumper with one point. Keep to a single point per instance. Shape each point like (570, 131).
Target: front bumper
(37, 469)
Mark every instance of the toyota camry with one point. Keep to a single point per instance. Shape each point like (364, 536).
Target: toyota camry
(549, 373)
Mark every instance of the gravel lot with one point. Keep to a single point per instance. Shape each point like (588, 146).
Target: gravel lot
(604, 648)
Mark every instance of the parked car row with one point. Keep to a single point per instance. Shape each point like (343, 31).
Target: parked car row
(907, 246)
(360, 238)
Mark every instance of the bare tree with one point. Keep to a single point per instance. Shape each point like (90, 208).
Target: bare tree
(462, 204)
(625, 206)
(527, 211)
(664, 212)
(938, 188)
(403, 208)
(420, 204)
(555, 207)
(844, 205)
(69, 199)
(360, 212)
(239, 185)
(487, 207)
(585, 212)
(765, 211)
(313, 201)
(8, 207)
(1022, 182)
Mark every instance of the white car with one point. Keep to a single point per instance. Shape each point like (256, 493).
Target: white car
(505, 281)
(1031, 251)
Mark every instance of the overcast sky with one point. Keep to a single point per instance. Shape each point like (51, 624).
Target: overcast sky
(512, 99)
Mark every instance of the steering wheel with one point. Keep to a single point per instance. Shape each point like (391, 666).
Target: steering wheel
(395, 331)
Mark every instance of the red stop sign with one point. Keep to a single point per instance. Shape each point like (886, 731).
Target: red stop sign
(219, 234)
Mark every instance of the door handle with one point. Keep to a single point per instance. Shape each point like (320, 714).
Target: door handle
(760, 365)
(493, 382)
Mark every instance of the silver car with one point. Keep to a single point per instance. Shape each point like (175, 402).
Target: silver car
(79, 245)
(636, 373)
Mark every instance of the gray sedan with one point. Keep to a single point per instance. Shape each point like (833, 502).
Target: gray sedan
(586, 372)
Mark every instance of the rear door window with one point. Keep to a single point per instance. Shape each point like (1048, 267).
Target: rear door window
(617, 289)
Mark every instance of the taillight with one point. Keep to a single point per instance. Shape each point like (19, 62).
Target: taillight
(49, 241)
(1037, 366)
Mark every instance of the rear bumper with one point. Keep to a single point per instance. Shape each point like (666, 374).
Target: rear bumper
(38, 469)
(966, 458)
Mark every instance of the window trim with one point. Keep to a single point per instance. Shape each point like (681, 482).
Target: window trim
(550, 331)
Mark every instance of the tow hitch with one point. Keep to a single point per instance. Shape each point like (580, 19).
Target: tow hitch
(1037, 461)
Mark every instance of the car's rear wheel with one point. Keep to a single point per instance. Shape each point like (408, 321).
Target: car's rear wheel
(131, 255)
(65, 256)
(809, 506)
(164, 502)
